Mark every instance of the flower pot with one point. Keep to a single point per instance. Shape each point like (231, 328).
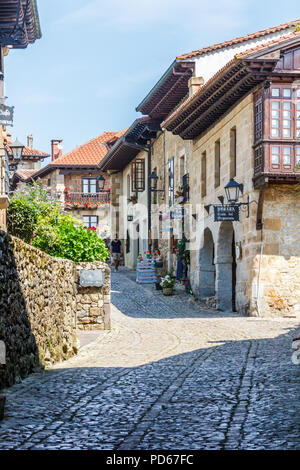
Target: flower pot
(167, 290)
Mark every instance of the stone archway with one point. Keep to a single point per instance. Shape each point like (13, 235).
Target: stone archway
(207, 270)
(225, 268)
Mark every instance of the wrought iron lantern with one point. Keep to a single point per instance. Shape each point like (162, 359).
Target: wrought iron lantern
(101, 182)
(153, 178)
(232, 191)
(17, 150)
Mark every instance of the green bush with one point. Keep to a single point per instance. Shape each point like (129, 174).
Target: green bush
(35, 216)
(70, 241)
(22, 218)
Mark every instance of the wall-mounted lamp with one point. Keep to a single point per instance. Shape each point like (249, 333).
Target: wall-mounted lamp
(153, 180)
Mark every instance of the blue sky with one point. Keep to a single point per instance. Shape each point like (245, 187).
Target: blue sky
(97, 59)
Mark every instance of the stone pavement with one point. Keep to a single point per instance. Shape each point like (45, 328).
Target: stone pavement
(169, 375)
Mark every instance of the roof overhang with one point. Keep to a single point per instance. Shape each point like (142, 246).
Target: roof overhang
(168, 91)
(130, 144)
(19, 23)
(225, 88)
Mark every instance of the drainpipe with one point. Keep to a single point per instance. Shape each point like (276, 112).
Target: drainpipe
(149, 200)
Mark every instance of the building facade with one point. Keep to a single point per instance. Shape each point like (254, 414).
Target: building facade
(218, 121)
(19, 27)
(78, 183)
(249, 131)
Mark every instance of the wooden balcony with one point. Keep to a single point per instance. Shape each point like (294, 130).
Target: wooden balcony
(276, 168)
(87, 201)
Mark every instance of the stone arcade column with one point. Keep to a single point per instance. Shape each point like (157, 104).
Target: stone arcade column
(207, 280)
(224, 282)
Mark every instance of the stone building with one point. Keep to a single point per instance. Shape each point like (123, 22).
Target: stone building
(168, 155)
(76, 178)
(128, 163)
(19, 27)
(210, 105)
(244, 123)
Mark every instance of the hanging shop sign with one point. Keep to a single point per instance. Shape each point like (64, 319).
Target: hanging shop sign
(6, 115)
(228, 212)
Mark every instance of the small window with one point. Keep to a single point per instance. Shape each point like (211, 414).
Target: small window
(232, 152)
(128, 186)
(287, 92)
(90, 220)
(217, 163)
(203, 174)
(275, 156)
(297, 156)
(287, 156)
(138, 175)
(171, 181)
(89, 185)
(298, 120)
(275, 92)
(298, 93)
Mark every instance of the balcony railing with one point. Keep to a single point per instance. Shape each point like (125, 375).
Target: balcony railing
(87, 201)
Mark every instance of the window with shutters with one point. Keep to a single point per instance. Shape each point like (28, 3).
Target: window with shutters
(90, 186)
(217, 163)
(258, 124)
(138, 175)
(171, 181)
(232, 152)
(203, 174)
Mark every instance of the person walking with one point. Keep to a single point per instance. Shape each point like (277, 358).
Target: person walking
(116, 250)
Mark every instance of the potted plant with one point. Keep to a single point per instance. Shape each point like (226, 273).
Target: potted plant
(180, 191)
(167, 283)
(133, 199)
(67, 191)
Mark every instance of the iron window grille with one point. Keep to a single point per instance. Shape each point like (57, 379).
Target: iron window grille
(138, 176)
(186, 187)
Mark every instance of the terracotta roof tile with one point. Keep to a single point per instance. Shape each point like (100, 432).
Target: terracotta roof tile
(247, 37)
(90, 153)
(29, 152)
(220, 71)
(25, 174)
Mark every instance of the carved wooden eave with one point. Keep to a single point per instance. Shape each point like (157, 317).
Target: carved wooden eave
(19, 23)
(222, 93)
(134, 141)
(227, 87)
(168, 91)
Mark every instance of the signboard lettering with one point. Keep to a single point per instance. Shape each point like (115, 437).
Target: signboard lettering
(227, 213)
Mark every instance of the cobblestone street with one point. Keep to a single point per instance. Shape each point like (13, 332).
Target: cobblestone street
(169, 375)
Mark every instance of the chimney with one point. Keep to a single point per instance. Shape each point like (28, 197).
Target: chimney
(194, 84)
(56, 149)
(30, 141)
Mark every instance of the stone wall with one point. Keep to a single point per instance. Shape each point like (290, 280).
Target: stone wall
(37, 308)
(274, 278)
(93, 303)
